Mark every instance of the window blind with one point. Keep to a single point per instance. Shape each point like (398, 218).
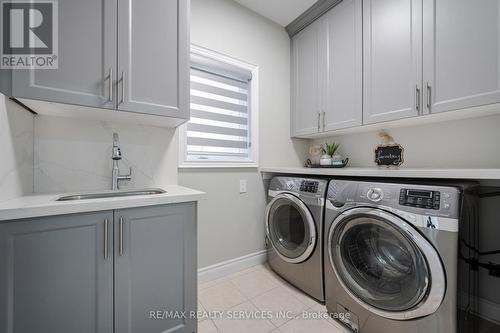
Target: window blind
(219, 128)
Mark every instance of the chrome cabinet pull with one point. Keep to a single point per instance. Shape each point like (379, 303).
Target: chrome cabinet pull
(319, 121)
(324, 120)
(123, 88)
(429, 90)
(106, 222)
(417, 99)
(110, 99)
(121, 236)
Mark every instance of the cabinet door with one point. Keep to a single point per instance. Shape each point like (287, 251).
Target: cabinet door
(461, 54)
(153, 57)
(87, 57)
(54, 276)
(305, 97)
(155, 268)
(340, 54)
(392, 62)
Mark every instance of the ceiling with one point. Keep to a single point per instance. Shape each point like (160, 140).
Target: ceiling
(282, 12)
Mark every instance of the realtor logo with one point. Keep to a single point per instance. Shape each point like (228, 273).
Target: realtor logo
(29, 34)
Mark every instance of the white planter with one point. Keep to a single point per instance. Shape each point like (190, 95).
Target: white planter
(325, 160)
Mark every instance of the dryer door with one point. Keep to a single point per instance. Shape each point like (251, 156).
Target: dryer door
(290, 228)
(385, 264)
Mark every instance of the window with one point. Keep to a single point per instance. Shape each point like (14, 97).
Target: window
(222, 129)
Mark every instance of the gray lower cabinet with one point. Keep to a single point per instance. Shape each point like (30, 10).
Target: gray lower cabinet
(131, 270)
(54, 275)
(155, 269)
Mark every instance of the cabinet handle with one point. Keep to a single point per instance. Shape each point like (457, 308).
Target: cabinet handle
(121, 236)
(319, 121)
(429, 90)
(324, 120)
(123, 88)
(110, 99)
(106, 222)
(417, 99)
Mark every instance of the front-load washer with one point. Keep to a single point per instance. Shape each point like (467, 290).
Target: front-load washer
(294, 232)
(391, 256)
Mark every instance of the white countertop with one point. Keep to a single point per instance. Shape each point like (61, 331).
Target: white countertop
(46, 205)
(475, 174)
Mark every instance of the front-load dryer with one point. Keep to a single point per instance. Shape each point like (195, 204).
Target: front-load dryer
(294, 230)
(391, 256)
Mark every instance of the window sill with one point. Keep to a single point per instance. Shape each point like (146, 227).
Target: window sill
(213, 165)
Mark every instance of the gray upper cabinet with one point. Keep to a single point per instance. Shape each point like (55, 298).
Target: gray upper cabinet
(392, 61)
(153, 56)
(87, 57)
(340, 59)
(56, 274)
(461, 54)
(116, 54)
(155, 268)
(327, 72)
(305, 95)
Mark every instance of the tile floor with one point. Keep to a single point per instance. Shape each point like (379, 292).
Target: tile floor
(276, 306)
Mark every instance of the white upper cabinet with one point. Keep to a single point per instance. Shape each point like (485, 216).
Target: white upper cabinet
(87, 58)
(153, 60)
(461, 54)
(327, 72)
(392, 39)
(305, 96)
(340, 59)
(118, 55)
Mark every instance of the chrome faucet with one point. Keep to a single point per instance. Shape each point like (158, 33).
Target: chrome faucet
(117, 156)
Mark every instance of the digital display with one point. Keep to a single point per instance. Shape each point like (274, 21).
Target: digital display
(419, 194)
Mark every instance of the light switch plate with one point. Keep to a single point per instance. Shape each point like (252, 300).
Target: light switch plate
(243, 186)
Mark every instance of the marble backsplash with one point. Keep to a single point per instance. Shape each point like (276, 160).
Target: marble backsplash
(75, 155)
(16, 150)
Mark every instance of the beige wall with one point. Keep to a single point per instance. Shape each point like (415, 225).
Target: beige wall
(467, 143)
(231, 224)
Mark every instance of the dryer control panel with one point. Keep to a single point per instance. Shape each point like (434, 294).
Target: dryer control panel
(310, 186)
(419, 198)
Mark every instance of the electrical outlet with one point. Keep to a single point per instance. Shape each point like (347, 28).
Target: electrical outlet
(243, 186)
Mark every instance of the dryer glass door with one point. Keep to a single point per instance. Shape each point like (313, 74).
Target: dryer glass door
(378, 257)
(290, 228)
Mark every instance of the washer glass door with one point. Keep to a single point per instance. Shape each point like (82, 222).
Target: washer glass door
(377, 258)
(290, 228)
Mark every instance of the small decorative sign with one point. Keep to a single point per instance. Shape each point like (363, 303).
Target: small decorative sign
(389, 153)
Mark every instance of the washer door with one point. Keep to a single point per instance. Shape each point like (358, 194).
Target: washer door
(290, 228)
(385, 264)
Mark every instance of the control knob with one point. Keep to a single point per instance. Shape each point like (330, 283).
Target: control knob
(375, 194)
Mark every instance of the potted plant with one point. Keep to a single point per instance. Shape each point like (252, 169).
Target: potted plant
(329, 151)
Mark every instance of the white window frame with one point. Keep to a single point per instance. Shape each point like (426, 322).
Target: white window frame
(253, 162)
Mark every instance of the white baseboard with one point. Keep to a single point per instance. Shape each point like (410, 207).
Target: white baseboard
(224, 268)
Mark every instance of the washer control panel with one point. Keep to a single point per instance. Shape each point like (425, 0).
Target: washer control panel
(309, 186)
(420, 198)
